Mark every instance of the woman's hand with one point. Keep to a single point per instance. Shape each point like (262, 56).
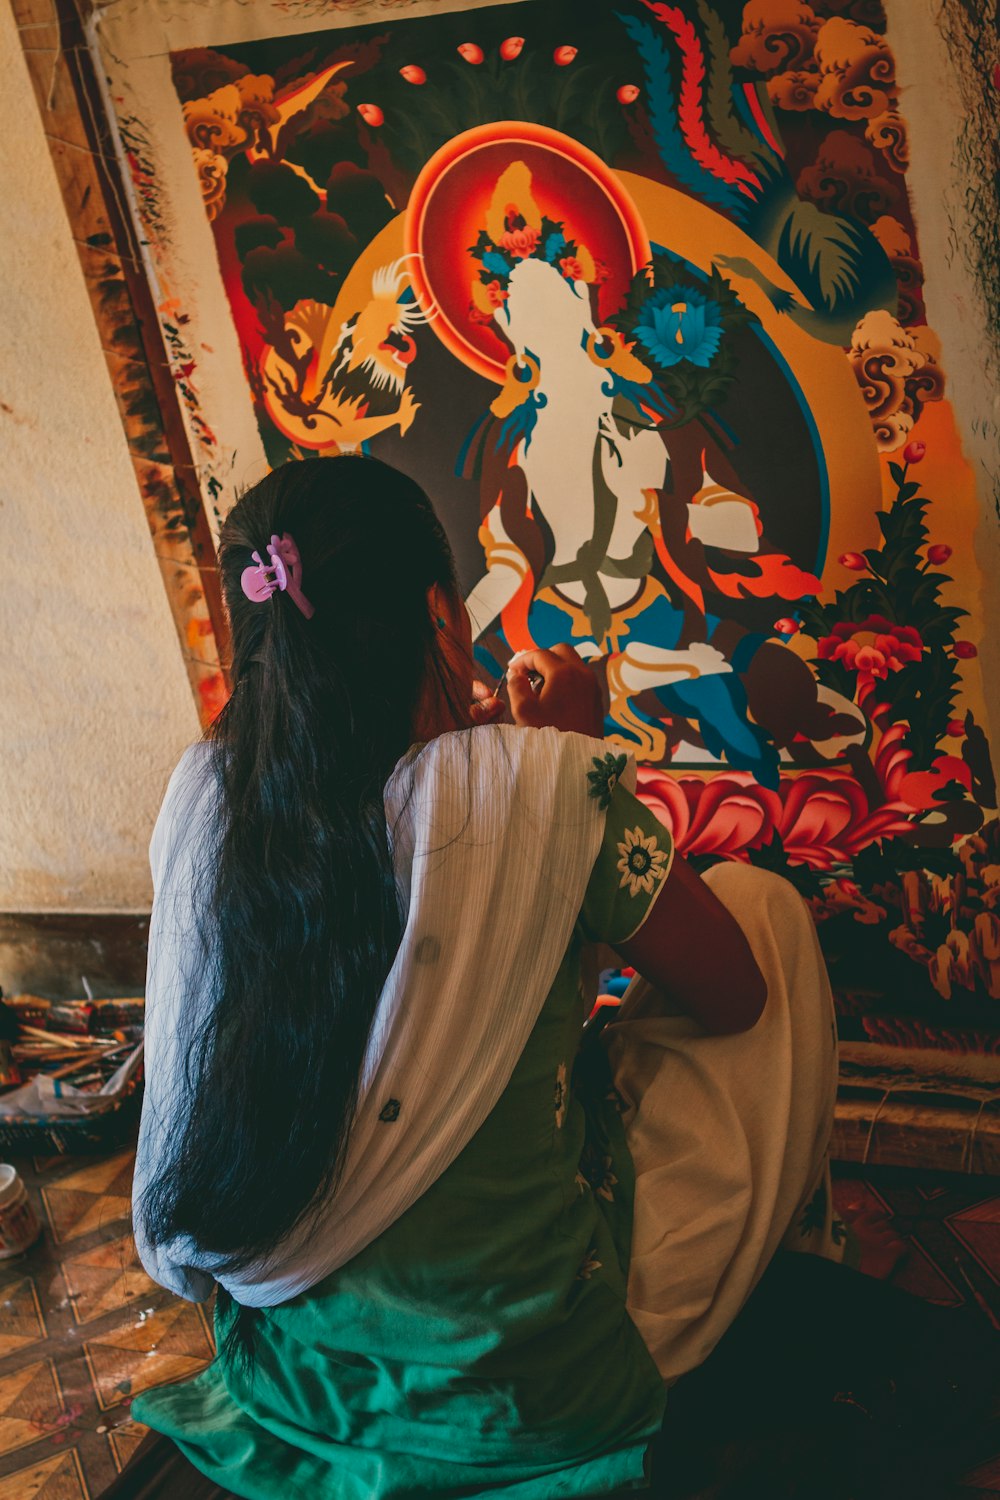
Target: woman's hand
(555, 689)
(486, 707)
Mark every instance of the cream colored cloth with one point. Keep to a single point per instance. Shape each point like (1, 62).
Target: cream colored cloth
(494, 834)
(728, 1134)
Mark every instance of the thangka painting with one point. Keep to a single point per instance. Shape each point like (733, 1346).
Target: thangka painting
(635, 293)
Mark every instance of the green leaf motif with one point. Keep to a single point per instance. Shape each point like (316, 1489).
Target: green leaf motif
(605, 776)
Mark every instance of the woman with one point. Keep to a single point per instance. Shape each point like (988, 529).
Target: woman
(458, 1250)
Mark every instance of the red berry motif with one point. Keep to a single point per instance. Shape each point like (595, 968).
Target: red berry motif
(852, 560)
(371, 114)
(472, 53)
(914, 452)
(627, 94)
(939, 553)
(511, 48)
(413, 74)
(965, 650)
(563, 56)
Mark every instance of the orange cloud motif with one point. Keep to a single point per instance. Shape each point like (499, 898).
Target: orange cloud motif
(857, 71)
(212, 123)
(777, 34)
(231, 119)
(897, 371)
(888, 133)
(898, 246)
(212, 169)
(794, 90)
(835, 65)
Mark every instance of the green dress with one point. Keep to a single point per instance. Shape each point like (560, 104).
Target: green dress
(481, 1345)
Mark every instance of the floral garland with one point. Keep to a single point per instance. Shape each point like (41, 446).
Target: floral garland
(522, 241)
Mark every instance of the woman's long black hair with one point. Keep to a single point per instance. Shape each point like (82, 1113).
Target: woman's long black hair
(301, 900)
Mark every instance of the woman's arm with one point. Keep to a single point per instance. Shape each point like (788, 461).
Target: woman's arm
(693, 950)
(689, 946)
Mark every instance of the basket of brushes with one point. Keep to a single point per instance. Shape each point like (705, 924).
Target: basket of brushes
(70, 1074)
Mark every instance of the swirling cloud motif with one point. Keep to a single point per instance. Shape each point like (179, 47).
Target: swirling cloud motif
(897, 371)
(232, 118)
(212, 123)
(836, 65)
(889, 134)
(777, 35)
(857, 71)
(898, 246)
(795, 90)
(844, 179)
(212, 169)
(257, 112)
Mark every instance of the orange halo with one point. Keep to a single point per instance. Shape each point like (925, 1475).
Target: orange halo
(447, 208)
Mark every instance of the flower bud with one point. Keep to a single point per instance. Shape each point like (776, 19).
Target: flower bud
(472, 53)
(563, 56)
(787, 626)
(939, 553)
(511, 48)
(627, 94)
(852, 560)
(965, 649)
(371, 114)
(413, 74)
(914, 452)
(956, 728)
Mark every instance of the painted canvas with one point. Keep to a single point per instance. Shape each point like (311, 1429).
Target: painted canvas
(636, 294)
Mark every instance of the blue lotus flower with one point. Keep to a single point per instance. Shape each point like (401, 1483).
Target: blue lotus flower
(678, 323)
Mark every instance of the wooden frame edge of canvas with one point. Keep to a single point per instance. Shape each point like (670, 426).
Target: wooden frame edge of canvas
(87, 170)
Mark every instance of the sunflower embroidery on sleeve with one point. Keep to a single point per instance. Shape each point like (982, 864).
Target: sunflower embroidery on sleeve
(641, 862)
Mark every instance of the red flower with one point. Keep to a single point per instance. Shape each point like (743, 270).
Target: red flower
(787, 626)
(956, 728)
(822, 817)
(496, 293)
(520, 242)
(511, 48)
(571, 268)
(727, 815)
(562, 56)
(920, 788)
(627, 94)
(852, 560)
(914, 452)
(471, 52)
(888, 648)
(371, 114)
(965, 649)
(939, 553)
(413, 74)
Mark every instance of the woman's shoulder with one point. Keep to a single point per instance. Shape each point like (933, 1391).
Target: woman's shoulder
(503, 763)
(191, 795)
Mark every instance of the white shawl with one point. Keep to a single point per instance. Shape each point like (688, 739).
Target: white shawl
(494, 839)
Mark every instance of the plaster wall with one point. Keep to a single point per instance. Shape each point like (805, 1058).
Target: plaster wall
(95, 706)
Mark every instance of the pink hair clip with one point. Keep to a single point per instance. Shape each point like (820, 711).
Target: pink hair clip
(283, 572)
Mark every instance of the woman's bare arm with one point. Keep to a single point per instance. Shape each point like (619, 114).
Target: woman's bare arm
(690, 946)
(692, 949)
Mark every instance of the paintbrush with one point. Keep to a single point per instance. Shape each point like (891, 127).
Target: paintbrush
(535, 679)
